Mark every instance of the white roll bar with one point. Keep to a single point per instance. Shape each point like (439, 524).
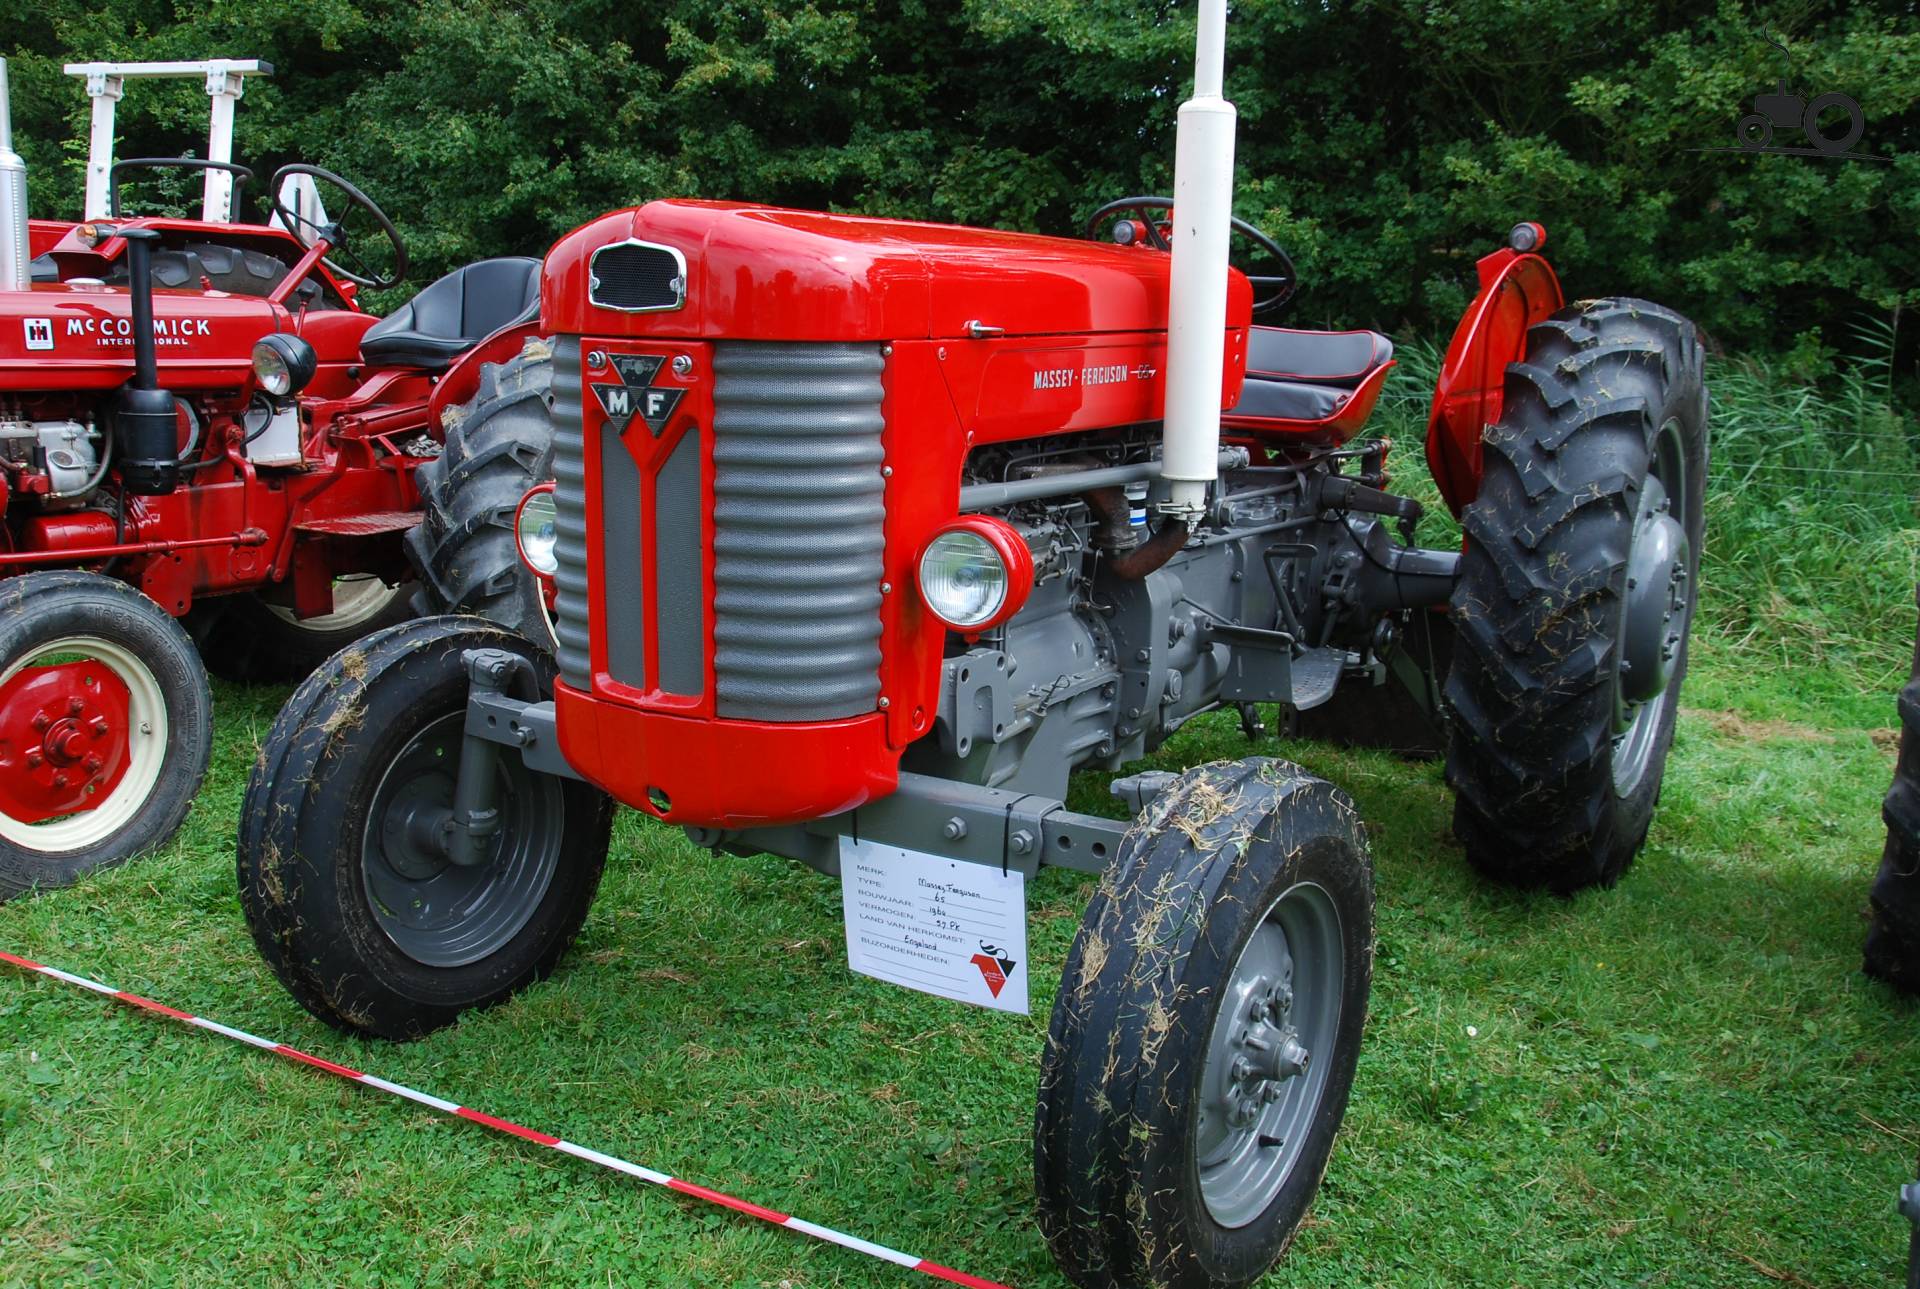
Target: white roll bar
(225, 80)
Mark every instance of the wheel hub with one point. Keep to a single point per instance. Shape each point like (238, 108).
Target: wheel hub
(64, 739)
(1656, 604)
(1266, 1053)
(435, 911)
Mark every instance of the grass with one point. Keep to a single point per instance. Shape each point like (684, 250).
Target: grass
(1682, 1081)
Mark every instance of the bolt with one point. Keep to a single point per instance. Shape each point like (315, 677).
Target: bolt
(1143, 655)
(94, 763)
(1021, 842)
(886, 472)
(59, 780)
(955, 828)
(34, 758)
(886, 588)
(682, 365)
(596, 358)
(885, 703)
(75, 706)
(41, 720)
(99, 727)
(1242, 1069)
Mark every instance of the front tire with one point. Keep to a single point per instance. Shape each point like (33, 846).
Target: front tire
(1204, 1039)
(106, 727)
(1576, 596)
(365, 923)
(498, 445)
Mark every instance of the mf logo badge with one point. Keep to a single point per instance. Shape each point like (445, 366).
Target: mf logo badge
(39, 332)
(637, 394)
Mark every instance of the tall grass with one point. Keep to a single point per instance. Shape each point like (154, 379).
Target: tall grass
(1813, 535)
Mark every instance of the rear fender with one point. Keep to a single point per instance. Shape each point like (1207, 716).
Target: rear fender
(461, 379)
(1517, 289)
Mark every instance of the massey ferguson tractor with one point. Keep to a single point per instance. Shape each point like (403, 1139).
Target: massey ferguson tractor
(865, 534)
(199, 422)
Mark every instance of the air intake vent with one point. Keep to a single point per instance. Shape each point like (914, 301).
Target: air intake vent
(637, 277)
(570, 515)
(798, 530)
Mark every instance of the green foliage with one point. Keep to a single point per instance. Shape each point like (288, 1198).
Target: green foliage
(1388, 143)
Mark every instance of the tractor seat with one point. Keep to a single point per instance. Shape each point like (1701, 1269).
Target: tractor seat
(454, 314)
(1306, 375)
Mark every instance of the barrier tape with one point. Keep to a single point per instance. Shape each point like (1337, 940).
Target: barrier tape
(507, 1126)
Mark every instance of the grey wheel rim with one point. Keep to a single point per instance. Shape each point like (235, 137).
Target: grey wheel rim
(1657, 609)
(1268, 1055)
(436, 912)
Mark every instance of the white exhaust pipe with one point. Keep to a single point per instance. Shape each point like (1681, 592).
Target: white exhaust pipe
(1197, 305)
(15, 271)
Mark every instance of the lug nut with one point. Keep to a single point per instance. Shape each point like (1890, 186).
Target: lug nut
(34, 758)
(59, 780)
(99, 727)
(75, 706)
(94, 763)
(41, 720)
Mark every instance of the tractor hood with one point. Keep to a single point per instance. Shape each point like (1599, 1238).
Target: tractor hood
(764, 273)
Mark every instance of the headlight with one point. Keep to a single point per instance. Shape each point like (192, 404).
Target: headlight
(975, 574)
(283, 364)
(533, 530)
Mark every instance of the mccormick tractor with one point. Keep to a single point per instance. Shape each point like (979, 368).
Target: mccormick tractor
(199, 422)
(865, 534)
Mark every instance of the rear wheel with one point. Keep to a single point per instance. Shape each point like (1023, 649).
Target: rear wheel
(354, 904)
(1205, 1035)
(1893, 910)
(1576, 596)
(498, 445)
(105, 727)
(256, 640)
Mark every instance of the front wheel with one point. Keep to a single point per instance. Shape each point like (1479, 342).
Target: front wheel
(106, 727)
(1205, 1035)
(352, 896)
(1576, 596)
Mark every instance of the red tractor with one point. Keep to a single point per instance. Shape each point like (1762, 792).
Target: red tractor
(865, 534)
(198, 421)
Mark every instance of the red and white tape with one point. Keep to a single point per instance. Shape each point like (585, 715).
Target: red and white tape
(828, 1234)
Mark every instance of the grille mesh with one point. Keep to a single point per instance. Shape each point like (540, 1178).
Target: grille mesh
(570, 515)
(798, 535)
(636, 278)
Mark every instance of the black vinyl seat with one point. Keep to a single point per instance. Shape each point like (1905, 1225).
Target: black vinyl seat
(1306, 375)
(455, 313)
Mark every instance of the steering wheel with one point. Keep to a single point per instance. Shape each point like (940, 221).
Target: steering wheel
(1271, 291)
(334, 232)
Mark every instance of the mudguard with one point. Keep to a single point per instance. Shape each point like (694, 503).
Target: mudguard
(1517, 289)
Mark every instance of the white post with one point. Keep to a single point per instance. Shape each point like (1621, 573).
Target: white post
(1197, 303)
(216, 197)
(105, 91)
(16, 272)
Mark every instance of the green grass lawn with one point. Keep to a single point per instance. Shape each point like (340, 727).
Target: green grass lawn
(1681, 1081)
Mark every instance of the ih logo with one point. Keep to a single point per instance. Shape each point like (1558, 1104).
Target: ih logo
(636, 394)
(995, 965)
(39, 332)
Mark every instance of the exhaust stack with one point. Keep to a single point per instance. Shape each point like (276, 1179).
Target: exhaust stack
(15, 273)
(1197, 304)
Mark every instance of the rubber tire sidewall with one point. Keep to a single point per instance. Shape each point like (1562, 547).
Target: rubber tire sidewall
(38, 608)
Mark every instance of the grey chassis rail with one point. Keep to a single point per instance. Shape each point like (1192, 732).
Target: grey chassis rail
(963, 821)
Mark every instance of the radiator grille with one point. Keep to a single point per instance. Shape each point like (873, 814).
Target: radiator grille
(637, 277)
(570, 515)
(798, 532)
